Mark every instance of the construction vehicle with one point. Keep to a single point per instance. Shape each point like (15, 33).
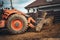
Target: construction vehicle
(13, 20)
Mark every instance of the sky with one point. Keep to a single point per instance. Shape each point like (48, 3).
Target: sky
(18, 4)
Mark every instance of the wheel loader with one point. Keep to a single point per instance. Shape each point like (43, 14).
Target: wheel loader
(14, 21)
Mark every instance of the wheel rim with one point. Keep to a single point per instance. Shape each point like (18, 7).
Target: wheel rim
(16, 24)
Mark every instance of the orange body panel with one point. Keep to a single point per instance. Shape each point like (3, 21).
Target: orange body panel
(29, 21)
(2, 23)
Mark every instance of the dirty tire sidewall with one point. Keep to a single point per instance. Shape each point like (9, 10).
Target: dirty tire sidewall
(20, 17)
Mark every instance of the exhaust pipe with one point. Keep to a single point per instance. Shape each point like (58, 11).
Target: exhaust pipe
(11, 4)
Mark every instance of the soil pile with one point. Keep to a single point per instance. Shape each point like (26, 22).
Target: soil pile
(46, 32)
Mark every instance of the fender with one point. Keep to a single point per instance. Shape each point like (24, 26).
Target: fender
(8, 12)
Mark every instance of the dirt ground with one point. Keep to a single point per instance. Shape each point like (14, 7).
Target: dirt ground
(47, 33)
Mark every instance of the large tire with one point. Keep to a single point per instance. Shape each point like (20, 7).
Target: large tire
(17, 24)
